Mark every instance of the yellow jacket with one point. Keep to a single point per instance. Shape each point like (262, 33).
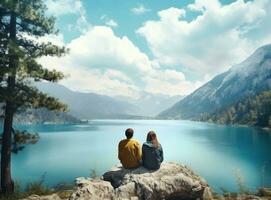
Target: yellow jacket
(129, 153)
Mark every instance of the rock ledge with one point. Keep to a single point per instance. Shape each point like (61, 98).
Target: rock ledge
(171, 181)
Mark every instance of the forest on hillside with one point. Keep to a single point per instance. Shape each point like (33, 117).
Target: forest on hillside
(252, 111)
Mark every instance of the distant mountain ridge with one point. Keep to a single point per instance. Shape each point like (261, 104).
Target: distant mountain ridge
(96, 106)
(88, 105)
(248, 78)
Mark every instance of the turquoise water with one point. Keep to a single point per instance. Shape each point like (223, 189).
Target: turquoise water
(215, 152)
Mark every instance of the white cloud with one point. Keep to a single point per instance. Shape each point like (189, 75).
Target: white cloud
(101, 62)
(169, 82)
(54, 39)
(111, 23)
(222, 35)
(202, 5)
(101, 48)
(82, 24)
(93, 80)
(63, 7)
(66, 7)
(115, 74)
(168, 87)
(171, 14)
(140, 10)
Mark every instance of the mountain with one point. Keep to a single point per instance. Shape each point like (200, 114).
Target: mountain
(248, 78)
(92, 105)
(150, 104)
(253, 111)
(89, 105)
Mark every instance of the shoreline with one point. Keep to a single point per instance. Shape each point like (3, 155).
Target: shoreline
(266, 129)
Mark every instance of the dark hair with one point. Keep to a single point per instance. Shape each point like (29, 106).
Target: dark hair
(129, 133)
(151, 137)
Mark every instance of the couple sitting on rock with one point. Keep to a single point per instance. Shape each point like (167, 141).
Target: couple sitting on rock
(131, 156)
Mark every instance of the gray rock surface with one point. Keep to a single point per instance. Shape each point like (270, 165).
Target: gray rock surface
(171, 181)
(47, 197)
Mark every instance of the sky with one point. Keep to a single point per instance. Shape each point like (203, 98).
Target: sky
(170, 47)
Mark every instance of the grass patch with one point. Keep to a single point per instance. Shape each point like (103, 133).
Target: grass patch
(93, 174)
(63, 190)
(64, 194)
(38, 187)
(241, 183)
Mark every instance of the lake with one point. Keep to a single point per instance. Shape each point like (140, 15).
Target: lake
(218, 153)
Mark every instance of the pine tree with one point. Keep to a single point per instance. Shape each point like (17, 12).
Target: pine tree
(22, 22)
(254, 110)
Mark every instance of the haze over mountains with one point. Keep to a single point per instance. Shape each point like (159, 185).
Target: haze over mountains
(248, 78)
(151, 104)
(96, 106)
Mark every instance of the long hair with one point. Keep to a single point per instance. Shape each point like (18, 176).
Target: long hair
(151, 137)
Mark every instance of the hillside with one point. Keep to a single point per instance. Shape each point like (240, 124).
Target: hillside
(248, 78)
(253, 111)
(44, 116)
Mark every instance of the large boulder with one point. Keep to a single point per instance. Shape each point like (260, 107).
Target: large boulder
(171, 181)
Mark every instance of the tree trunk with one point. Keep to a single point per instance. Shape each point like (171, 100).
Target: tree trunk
(7, 184)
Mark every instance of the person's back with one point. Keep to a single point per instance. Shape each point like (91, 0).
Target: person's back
(152, 152)
(129, 151)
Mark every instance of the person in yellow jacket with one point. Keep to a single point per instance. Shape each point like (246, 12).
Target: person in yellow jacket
(129, 152)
